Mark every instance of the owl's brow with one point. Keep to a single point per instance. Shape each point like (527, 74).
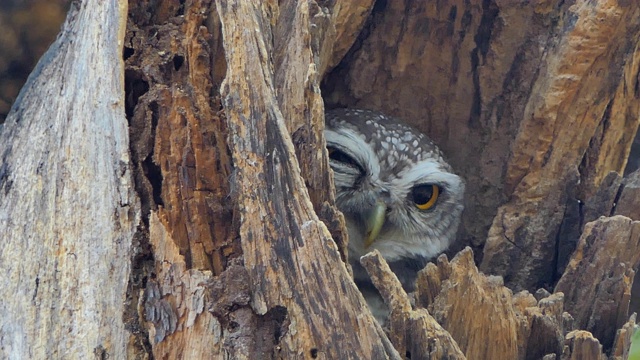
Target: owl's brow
(427, 171)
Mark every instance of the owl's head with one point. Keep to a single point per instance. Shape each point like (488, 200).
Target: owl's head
(393, 185)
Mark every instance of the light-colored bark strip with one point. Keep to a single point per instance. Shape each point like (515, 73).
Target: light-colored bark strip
(67, 206)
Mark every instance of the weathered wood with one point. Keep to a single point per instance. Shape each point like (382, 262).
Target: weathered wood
(597, 282)
(628, 202)
(175, 303)
(412, 332)
(544, 333)
(481, 314)
(182, 166)
(465, 294)
(68, 210)
(576, 88)
(581, 345)
(287, 250)
(183, 170)
(536, 104)
(622, 343)
(348, 18)
(301, 37)
(483, 317)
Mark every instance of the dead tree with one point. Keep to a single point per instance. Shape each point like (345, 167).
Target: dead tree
(164, 187)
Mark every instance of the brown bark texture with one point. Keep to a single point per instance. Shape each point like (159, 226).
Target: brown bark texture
(208, 228)
(243, 252)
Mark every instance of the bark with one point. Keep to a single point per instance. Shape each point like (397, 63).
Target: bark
(597, 282)
(183, 153)
(287, 250)
(68, 210)
(413, 332)
(223, 222)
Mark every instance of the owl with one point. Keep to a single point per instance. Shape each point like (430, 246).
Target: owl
(396, 191)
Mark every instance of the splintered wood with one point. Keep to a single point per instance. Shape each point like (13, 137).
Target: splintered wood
(552, 165)
(464, 297)
(413, 332)
(465, 312)
(226, 243)
(536, 104)
(597, 281)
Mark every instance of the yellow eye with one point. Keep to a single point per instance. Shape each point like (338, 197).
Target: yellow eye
(425, 195)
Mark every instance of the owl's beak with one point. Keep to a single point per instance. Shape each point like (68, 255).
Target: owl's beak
(375, 220)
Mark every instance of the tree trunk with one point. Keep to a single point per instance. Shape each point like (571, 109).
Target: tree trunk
(68, 209)
(209, 229)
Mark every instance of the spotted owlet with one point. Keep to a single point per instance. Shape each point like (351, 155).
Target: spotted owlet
(396, 191)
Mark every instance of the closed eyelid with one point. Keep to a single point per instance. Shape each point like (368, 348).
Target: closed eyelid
(355, 146)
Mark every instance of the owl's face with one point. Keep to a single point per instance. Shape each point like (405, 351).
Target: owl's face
(393, 185)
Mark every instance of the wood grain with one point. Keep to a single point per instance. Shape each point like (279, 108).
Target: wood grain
(288, 252)
(68, 210)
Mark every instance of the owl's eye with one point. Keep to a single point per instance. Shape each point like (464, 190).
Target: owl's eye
(425, 195)
(342, 157)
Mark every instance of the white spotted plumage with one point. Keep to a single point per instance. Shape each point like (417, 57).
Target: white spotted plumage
(381, 161)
